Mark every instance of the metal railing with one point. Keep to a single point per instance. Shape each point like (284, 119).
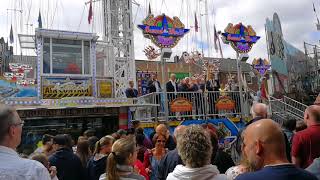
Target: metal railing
(203, 105)
(286, 107)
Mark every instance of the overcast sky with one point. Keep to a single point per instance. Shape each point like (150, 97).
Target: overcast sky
(297, 17)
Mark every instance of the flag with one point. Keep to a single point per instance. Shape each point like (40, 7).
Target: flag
(90, 12)
(314, 9)
(216, 38)
(264, 92)
(196, 26)
(11, 35)
(149, 11)
(39, 20)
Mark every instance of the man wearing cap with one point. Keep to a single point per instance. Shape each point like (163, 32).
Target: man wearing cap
(11, 165)
(68, 165)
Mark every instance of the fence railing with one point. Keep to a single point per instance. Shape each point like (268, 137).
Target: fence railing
(203, 105)
(286, 107)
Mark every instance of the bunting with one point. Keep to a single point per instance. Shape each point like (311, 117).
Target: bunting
(314, 10)
(90, 13)
(149, 11)
(11, 35)
(196, 25)
(216, 38)
(39, 20)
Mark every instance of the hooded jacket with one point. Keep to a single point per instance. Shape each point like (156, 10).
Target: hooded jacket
(208, 172)
(96, 166)
(68, 165)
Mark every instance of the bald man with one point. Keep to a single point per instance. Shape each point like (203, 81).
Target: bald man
(172, 158)
(306, 143)
(163, 129)
(264, 149)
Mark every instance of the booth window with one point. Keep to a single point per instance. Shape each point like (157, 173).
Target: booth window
(66, 57)
(46, 55)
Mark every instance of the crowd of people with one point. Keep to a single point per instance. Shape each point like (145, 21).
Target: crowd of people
(267, 150)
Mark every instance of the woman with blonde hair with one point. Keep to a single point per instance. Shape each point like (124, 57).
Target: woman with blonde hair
(120, 161)
(97, 163)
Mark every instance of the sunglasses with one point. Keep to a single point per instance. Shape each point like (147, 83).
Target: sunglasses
(161, 141)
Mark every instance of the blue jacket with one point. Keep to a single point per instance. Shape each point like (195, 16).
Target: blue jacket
(68, 165)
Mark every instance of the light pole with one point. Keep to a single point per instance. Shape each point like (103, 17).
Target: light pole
(242, 57)
(165, 54)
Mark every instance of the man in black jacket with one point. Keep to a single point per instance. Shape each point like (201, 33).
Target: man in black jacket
(68, 165)
(155, 87)
(213, 87)
(154, 84)
(172, 89)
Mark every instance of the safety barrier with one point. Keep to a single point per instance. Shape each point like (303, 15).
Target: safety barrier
(193, 105)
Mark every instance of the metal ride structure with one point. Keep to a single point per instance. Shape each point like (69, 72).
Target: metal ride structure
(118, 36)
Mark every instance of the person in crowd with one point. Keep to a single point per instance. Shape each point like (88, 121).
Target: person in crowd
(11, 165)
(68, 164)
(184, 85)
(92, 144)
(155, 87)
(120, 161)
(201, 84)
(97, 163)
(314, 168)
(131, 92)
(163, 129)
(264, 148)
(140, 169)
(288, 127)
(153, 157)
(43, 159)
(172, 158)
(213, 87)
(258, 111)
(301, 125)
(172, 89)
(141, 148)
(46, 147)
(195, 150)
(83, 152)
(242, 168)
(154, 84)
(122, 133)
(221, 159)
(306, 143)
(82, 138)
(146, 142)
(116, 136)
(89, 133)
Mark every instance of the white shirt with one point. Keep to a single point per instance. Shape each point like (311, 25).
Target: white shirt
(12, 167)
(174, 85)
(157, 86)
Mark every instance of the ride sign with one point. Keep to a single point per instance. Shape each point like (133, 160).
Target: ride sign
(261, 66)
(164, 32)
(240, 37)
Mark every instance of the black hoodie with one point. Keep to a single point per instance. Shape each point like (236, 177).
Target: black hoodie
(68, 165)
(96, 166)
